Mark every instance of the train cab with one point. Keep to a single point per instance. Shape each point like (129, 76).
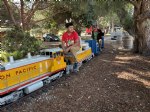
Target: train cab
(52, 53)
(57, 57)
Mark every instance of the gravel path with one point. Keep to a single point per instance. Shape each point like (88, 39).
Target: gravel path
(115, 81)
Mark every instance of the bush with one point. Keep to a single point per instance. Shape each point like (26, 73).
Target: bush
(4, 56)
(16, 55)
(18, 43)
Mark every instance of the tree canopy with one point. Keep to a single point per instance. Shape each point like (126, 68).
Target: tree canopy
(133, 15)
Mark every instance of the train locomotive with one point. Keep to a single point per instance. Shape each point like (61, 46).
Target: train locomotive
(21, 77)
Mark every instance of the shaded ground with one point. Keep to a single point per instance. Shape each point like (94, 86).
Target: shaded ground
(112, 82)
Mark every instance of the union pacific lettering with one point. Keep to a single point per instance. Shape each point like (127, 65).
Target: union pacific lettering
(3, 77)
(18, 72)
(25, 70)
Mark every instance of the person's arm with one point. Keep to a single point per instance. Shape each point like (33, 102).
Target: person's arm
(77, 40)
(63, 45)
(77, 43)
(64, 48)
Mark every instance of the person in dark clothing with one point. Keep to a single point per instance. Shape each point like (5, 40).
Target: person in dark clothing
(100, 34)
(97, 35)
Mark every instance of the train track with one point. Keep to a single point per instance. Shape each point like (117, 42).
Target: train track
(35, 94)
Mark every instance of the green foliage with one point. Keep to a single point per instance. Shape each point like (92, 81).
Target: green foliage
(4, 56)
(90, 15)
(127, 22)
(50, 24)
(16, 55)
(84, 13)
(62, 10)
(119, 11)
(18, 43)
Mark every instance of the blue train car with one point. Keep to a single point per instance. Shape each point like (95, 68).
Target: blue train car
(94, 46)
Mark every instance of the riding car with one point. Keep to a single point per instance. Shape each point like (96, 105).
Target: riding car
(117, 32)
(51, 38)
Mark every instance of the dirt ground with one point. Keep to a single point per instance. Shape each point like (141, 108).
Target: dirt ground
(115, 81)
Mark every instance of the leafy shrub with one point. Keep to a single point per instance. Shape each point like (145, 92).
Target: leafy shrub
(4, 56)
(18, 43)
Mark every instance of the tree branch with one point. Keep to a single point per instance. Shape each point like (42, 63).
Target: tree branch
(9, 11)
(47, 18)
(32, 11)
(143, 16)
(15, 6)
(40, 20)
(22, 13)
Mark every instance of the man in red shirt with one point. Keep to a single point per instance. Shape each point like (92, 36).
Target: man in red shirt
(70, 40)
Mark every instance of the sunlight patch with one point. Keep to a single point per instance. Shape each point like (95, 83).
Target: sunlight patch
(121, 62)
(130, 76)
(126, 58)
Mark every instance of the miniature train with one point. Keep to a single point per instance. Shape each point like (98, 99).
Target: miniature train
(21, 77)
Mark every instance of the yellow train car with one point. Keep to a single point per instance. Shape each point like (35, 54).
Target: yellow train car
(81, 56)
(21, 74)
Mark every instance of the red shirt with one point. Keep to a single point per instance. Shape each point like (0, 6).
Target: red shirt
(89, 30)
(70, 39)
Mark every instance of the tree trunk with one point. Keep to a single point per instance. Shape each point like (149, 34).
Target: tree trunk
(22, 14)
(142, 27)
(10, 11)
(112, 25)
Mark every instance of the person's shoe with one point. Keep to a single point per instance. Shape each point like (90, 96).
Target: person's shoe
(75, 71)
(79, 64)
(75, 68)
